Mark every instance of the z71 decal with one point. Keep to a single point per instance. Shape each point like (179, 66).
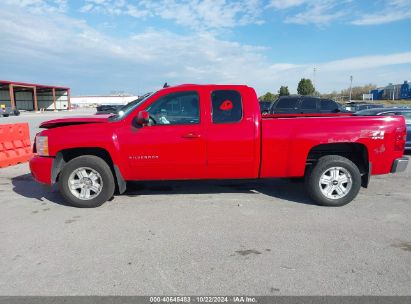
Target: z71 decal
(377, 134)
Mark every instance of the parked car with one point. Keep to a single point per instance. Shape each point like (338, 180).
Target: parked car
(406, 112)
(115, 109)
(265, 106)
(305, 105)
(355, 106)
(214, 132)
(9, 111)
(108, 109)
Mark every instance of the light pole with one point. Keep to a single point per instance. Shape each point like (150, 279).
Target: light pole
(350, 86)
(314, 70)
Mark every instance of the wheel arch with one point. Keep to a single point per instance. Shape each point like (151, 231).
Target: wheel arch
(356, 152)
(64, 156)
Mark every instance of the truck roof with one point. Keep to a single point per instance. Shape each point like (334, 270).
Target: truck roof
(206, 85)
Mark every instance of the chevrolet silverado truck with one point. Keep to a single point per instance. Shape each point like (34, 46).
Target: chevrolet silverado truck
(199, 132)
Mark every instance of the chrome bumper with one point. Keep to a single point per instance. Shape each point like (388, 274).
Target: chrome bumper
(399, 165)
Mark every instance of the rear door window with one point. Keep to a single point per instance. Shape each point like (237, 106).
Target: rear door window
(407, 116)
(328, 105)
(286, 103)
(309, 104)
(226, 106)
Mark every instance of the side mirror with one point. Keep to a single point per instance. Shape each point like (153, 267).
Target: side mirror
(142, 118)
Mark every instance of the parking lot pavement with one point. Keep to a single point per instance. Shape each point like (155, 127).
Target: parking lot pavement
(209, 238)
(256, 238)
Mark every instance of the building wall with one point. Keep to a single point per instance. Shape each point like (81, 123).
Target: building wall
(392, 91)
(45, 100)
(24, 100)
(99, 100)
(377, 94)
(5, 98)
(405, 90)
(61, 100)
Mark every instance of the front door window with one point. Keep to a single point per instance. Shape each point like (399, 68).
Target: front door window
(181, 108)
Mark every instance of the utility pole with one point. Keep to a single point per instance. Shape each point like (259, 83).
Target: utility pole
(351, 86)
(314, 70)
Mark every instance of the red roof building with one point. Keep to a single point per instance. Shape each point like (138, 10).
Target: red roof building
(33, 97)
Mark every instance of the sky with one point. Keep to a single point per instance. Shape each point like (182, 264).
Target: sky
(135, 46)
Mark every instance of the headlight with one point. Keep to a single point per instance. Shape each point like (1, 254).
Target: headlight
(42, 145)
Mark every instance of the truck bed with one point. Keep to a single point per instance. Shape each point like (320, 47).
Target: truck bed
(288, 139)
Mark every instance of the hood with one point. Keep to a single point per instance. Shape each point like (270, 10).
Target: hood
(61, 122)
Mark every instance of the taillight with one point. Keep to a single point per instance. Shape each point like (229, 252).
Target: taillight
(400, 139)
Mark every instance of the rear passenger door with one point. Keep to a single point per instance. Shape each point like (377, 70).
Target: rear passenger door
(232, 137)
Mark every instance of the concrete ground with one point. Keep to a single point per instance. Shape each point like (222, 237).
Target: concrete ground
(208, 238)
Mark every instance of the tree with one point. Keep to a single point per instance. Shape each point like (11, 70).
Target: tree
(305, 87)
(283, 91)
(358, 91)
(268, 97)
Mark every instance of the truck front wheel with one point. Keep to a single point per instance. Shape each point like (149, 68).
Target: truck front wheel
(86, 182)
(333, 181)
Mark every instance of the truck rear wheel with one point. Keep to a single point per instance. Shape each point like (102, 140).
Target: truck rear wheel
(86, 182)
(333, 181)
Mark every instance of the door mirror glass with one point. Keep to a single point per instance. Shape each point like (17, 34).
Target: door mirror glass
(142, 118)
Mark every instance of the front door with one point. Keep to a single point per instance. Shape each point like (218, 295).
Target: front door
(172, 146)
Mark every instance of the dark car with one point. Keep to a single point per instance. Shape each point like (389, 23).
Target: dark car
(392, 111)
(118, 109)
(8, 111)
(108, 109)
(305, 104)
(265, 106)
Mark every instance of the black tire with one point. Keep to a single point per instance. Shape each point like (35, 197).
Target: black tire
(95, 163)
(313, 175)
(5, 115)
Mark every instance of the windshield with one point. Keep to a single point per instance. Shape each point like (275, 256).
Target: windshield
(128, 108)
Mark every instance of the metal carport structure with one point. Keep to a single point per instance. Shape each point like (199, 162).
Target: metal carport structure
(35, 97)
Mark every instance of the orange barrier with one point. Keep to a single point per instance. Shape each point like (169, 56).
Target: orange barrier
(15, 146)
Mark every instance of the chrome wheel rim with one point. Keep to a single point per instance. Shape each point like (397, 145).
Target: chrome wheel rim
(335, 183)
(85, 183)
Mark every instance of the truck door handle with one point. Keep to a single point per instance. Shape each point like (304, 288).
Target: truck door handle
(191, 135)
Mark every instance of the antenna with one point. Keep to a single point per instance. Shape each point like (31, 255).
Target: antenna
(165, 85)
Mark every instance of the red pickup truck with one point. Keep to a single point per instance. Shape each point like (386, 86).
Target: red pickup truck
(196, 132)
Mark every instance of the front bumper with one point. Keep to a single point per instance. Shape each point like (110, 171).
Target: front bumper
(399, 165)
(41, 168)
